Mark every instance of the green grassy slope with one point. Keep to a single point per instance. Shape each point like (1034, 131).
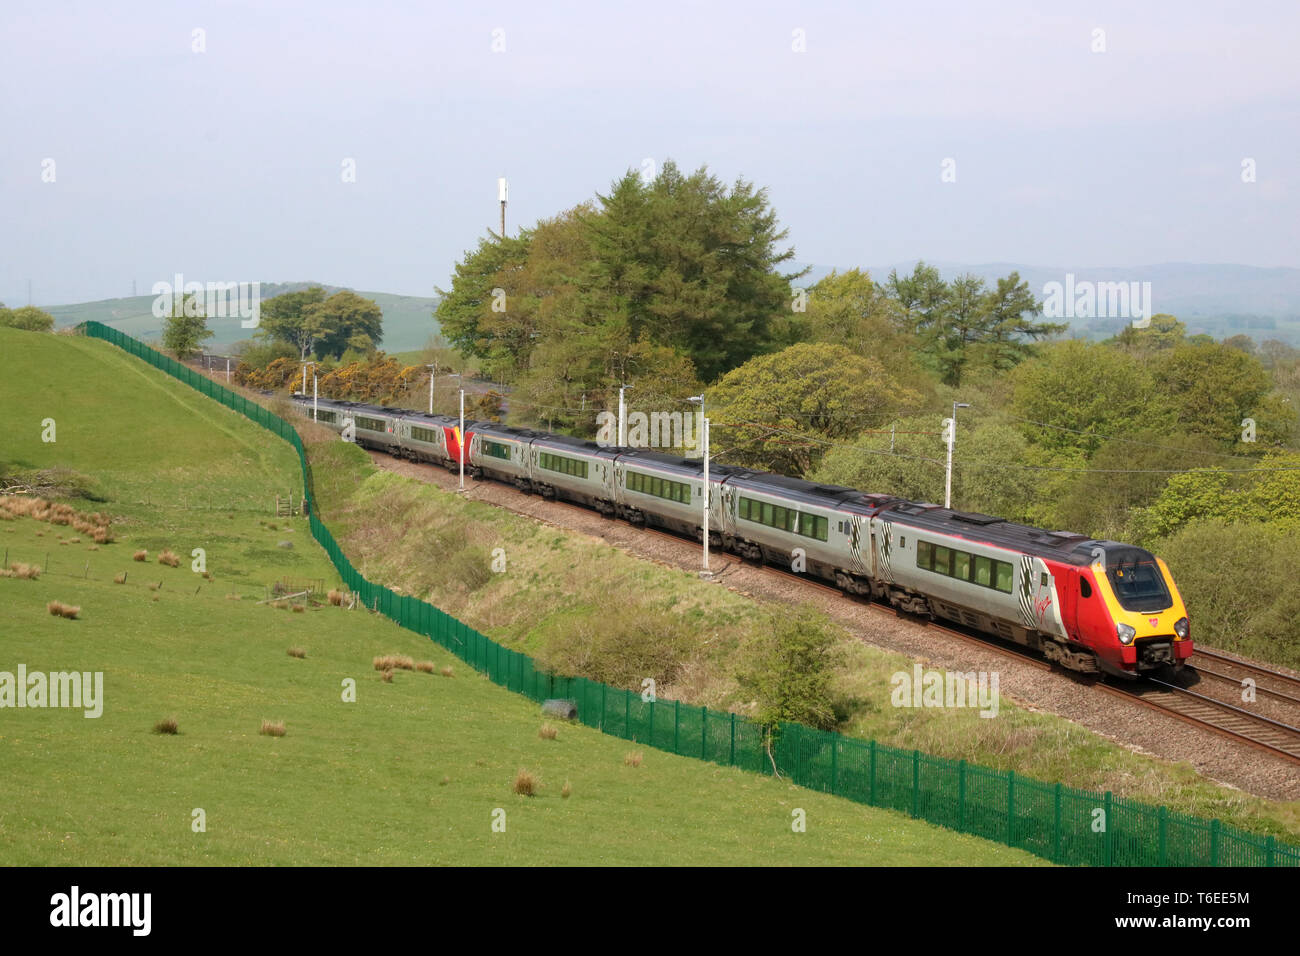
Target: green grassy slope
(409, 773)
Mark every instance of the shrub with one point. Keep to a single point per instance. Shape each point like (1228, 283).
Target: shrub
(547, 732)
(169, 558)
(167, 726)
(141, 555)
(425, 667)
(59, 609)
(273, 729)
(526, 785)
(297, 652)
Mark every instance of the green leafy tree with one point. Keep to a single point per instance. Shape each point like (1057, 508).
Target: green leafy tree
(849, 309)
(27, 317)
(1212, 388)
(789, 671)
(1080, 391)
(1163, 332)
(186, 328)
(347, 322)
(782, 411)
(291, 319)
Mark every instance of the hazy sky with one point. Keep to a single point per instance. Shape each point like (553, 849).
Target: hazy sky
(227, 164)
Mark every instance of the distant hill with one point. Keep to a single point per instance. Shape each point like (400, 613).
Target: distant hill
(408, 320)
(1220, 300)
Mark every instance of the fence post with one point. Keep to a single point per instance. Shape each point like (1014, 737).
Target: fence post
(1214, 842)
(677, 724)
(1107, 801)
(916, 783)
(871, 787)
(1011, 808)
(1056, 828)
(1163, 817)
(1269, 846)
(961, 797)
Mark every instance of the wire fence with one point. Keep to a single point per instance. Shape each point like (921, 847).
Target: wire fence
(1062, 824)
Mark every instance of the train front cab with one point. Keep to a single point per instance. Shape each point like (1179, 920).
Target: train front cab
(1126, 607)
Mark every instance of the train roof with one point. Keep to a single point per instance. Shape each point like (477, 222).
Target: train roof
(1067, 546)
(675, 463)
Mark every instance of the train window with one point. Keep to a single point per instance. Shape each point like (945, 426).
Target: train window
(925, 555)
(961, 565)
(495, 449)
(370, 424)
(1085, 589)
(1042, 579)
(325, 416)
(983, 571)
(942, 560)
(902, 542)
(1003, 574)
(767, 512)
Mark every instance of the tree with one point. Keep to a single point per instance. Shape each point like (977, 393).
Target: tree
(186, 328)
(291, 318)
(1079, 391)
(28, 317)
(346, 321)
(1162, 332)
(782, 412)
(850, 309)
(790, 670)
(1010, 309)
(1212, 388)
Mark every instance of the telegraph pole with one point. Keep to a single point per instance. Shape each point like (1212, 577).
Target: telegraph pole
(622, 417)
(431, 372)
(951, 424)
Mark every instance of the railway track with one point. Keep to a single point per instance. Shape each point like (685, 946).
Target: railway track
(1269, 683)
(1262, 733)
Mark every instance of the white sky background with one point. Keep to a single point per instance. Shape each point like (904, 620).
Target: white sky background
(225, 165)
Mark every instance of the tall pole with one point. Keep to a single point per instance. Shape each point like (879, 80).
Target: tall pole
(431, 371)
(503, 192)
(622, 417)
(951, 424)
(704, 571)
(461, 450)
(227, 369)
(315, 397)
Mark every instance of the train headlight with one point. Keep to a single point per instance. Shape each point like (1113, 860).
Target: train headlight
(1126, 634)
(1183, 628)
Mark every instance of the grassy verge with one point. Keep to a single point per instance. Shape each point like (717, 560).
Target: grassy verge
(591, 609)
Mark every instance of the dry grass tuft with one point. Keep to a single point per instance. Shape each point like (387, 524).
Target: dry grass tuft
(141, 555)
(566, 790)
(120, 578)
(169, 558)
(426, 667)
(335, 597)
(547, 732)
(167, 726)
(20, 570)
(273, 729)
(632, 759)
(59, 609)
(526, 785)
(388, 677)
(153, 586)
(299, 608)
(444, 781)
(297, 652)
(448, 671)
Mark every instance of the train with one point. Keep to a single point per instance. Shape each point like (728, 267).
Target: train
(1092, 606)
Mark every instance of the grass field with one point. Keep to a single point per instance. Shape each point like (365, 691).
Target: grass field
(412, 772)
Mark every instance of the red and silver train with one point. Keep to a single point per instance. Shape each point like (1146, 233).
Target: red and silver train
(1088, 605)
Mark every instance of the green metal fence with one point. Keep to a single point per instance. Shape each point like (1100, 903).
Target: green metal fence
(1062, 824)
